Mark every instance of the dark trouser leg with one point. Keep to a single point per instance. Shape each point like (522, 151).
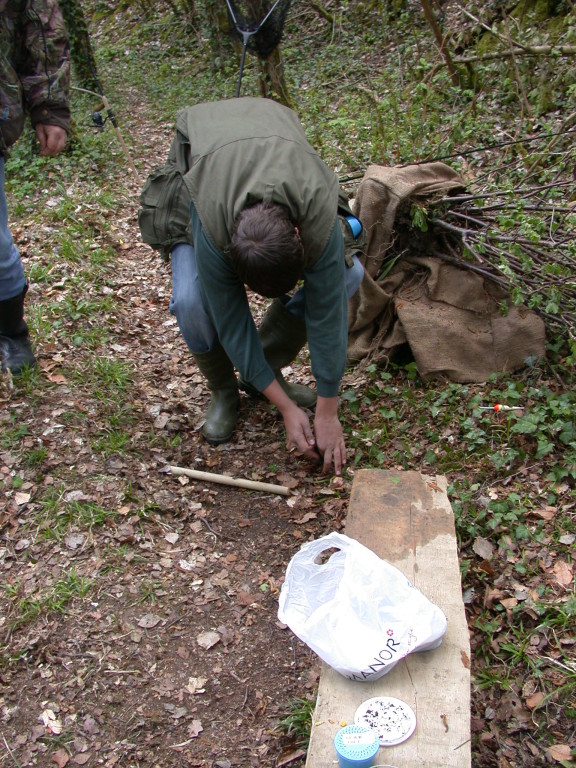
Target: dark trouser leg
(15, 348)
(283, 335)
(199, 334)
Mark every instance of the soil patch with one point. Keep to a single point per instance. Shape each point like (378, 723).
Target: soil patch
(146, 604)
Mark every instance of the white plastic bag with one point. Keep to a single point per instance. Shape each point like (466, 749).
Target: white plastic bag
(360, 614)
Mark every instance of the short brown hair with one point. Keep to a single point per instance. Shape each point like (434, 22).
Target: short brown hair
(266, 249)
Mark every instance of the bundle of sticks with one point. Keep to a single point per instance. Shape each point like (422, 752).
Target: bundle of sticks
(522, 239)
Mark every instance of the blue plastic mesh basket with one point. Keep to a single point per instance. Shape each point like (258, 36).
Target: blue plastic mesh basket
(356, 746)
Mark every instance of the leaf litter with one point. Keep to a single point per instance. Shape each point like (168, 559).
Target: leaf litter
(174, 654)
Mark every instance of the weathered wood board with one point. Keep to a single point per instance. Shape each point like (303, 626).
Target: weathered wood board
(406, 519)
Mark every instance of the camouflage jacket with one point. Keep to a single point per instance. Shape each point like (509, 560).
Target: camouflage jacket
(34, 67)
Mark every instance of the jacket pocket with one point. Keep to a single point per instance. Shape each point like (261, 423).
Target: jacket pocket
(164, 218)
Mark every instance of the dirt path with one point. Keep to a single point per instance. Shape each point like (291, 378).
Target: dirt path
(167, 650)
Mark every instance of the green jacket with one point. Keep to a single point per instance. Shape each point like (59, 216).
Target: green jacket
(34, 67)
(228, 155)
(242, 151)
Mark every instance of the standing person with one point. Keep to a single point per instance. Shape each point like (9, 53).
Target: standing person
(35, 72)
(244, 200)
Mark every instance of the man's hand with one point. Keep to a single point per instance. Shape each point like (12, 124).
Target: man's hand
(299, 434)
(52, 138)
(326, 443)
(329, 435)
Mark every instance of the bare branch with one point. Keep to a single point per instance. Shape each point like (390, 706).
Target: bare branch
(530, 50)
(441, 40)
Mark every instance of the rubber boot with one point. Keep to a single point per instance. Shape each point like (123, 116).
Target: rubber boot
(282, 336)
(15, 348)
(222, 412)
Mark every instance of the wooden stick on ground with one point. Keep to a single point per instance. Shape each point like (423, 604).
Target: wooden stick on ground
(239, 482)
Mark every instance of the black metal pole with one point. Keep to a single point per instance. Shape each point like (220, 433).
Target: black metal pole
(245, 38)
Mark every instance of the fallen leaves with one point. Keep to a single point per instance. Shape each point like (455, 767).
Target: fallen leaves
(74, 540)
(196, 685)
(535, 700)
(61, 758)
(195, 728)
(544, 513)
(563, 573)
(288, 481)
(52, 723)
(560, 752)
(246, 599)
(207, 640)
(149, 621)
(483, 548)
(131, 651)
(55, 378)
(306, 518)
(81, 758)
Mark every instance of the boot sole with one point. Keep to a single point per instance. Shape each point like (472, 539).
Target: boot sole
(217, 440)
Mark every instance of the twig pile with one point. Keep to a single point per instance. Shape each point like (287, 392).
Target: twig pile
(522, 239)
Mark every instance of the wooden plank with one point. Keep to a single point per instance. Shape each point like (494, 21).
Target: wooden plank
(406, 519)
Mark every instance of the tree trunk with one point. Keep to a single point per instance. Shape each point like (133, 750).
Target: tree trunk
(441, 40)
(264, 43)
(272, 79)
(83, 60)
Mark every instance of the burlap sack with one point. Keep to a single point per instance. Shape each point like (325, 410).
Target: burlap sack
(449, 318)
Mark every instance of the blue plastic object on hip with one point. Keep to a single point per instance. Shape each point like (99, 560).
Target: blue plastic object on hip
(355, 225)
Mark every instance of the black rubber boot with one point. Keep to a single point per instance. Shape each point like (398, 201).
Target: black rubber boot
(15, 348)
(222, 412)
(282, 336)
